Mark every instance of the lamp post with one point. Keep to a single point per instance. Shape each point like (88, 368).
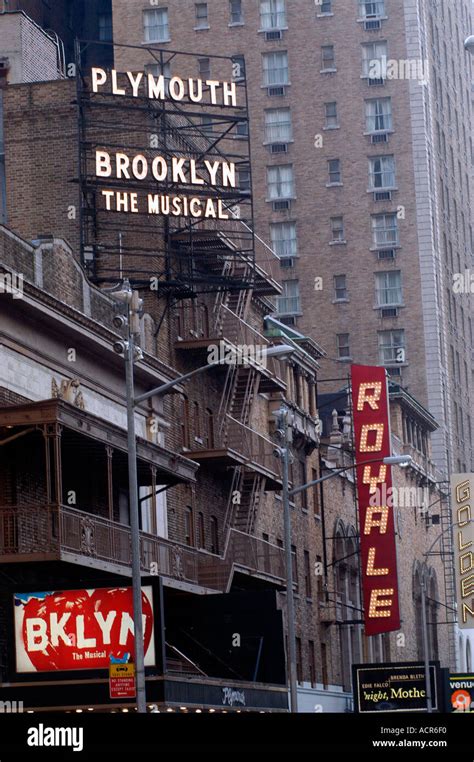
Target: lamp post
(469, 44)
(424, 623)
(132, 353)
(284, 433)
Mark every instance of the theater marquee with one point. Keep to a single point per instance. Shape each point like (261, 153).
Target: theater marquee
(79, 629)
(462, 497)
(376, 521)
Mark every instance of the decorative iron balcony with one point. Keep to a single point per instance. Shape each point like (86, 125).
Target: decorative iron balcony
(61, 533)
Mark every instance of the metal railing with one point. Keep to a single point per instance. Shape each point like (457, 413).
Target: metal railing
(36, 530)
(195, 324)
(255, 447)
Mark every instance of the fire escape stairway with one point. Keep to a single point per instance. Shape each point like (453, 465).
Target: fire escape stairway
(246, 508)
(447, 558)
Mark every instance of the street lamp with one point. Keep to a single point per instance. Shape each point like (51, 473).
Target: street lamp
(469, 43)
(283, 430)
(132, 352)
(424, 623)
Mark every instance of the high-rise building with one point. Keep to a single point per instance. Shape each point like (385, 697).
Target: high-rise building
(361, 154)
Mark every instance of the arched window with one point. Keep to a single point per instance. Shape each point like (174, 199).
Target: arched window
(209, 429)
(214, 535)
(184, 420)
(188, 526)
(201, 532)
(196, 421)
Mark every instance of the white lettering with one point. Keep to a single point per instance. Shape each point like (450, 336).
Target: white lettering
(99, 77)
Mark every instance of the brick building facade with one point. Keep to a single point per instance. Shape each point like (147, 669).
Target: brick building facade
(362, 182)
(217, 526)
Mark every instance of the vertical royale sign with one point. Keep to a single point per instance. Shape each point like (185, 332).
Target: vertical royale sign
(376, 522)
(462, 491)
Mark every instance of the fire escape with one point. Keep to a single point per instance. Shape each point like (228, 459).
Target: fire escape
(238, 444)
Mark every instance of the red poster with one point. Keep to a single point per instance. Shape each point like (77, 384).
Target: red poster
(376, 520)
(79, 629)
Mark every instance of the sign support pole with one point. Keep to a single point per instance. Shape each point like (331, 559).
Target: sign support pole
(429, 703)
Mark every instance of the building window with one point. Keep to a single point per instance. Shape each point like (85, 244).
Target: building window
(324, 665)
(156, 25)
(340, 287)
(319, 579)
(196, 421)
(388, 288)
(384, 230)
(334, 171)
(242, 129)
(315, 492)
(272, 14)
(184, 421)
(378, 114)
(204, 68)
(278, 127)
(371, 9)
(328, 60)
(238, 67)
(343, 349)
(207, 123)
(391, 346)
(337, 230)
(209, 429)
(236, 15)
(302, 477)
(294, 565)
(202, 19)
(283, 237)
(201, 532)
(214, 536)
(374, 59)
(299, 664)
(105, 27)
(244, 180)
(312, 663)
(330, 111)
(158, 69)
(188, 526)
(382, 172)
(275, 68)
(289, 302)
(307, 575)
(280, 182)
(326, 6)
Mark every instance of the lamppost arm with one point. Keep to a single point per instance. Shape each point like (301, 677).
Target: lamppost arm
(279, 351)
(390, 460)
(165, 388)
